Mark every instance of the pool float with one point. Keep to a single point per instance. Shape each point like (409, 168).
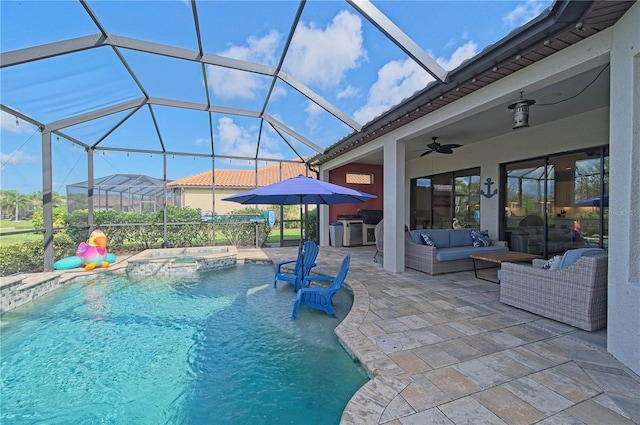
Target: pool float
(89, 254)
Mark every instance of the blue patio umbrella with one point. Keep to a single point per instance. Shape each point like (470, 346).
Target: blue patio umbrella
(303, 191)
(594, 201)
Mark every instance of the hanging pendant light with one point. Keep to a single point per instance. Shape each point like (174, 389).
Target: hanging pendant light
(521, 112)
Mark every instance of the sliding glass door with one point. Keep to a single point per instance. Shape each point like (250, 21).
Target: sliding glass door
(556, 203)
(446, 200)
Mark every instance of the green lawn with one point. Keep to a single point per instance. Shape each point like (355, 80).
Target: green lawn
(10, 225)
(289, 234)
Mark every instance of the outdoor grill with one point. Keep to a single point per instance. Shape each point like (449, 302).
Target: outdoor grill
(359, 229)
(370, 218)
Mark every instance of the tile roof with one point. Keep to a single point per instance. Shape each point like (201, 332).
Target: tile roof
(243, 178)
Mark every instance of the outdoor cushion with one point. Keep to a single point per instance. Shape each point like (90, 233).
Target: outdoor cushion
(553, 263)
(573, 255)
(440, 237)
(460, 237)
(480, 239)
(416, 236)
(426, 239)
(463, 252)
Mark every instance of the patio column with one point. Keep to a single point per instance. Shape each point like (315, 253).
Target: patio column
(623, 332)
(47, 200)
(394, 206)
(323, 214)
(91, 193)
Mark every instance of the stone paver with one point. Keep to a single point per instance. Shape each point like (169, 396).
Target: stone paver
(459, 356)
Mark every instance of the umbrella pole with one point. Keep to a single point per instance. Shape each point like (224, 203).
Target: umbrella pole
(301, 245)
(301, 225)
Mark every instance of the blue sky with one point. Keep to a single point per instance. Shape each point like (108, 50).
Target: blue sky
(335, 52)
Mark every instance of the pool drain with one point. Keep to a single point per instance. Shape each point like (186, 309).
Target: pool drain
(389, 345)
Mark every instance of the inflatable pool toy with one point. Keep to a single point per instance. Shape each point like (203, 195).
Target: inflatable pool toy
(89, 254)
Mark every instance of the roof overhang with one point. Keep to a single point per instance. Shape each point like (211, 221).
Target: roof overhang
(564, 24)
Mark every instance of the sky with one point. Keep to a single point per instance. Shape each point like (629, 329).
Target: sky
(335, 52)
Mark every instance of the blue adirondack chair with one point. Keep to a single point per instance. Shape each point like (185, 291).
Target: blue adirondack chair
(320, 298)
(308, 254)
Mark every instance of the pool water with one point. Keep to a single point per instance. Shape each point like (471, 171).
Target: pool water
(220, 350)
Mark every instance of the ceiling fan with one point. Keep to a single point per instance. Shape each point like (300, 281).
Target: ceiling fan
(439, 148)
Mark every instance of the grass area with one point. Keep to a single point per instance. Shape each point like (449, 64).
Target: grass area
(11, 225)
(15, 225)
(289, 234)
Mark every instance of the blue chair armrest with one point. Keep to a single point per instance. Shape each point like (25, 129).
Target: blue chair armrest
(310, 278)
(282, 263)
(315, 290)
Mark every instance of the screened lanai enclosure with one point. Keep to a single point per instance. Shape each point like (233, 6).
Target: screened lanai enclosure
(120, 192)
(173, 88)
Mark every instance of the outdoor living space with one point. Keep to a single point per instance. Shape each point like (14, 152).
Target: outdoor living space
(443, 349)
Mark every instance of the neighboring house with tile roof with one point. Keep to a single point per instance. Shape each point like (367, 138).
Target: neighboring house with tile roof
(197, 191)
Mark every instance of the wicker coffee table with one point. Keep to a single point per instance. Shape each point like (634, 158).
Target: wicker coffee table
(499, 258)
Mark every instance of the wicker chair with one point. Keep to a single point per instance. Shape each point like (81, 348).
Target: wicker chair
(576, 295)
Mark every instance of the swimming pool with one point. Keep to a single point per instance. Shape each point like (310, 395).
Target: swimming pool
(220, 350)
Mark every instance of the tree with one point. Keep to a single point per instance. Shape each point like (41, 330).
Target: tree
(14, 202)
(56, 199)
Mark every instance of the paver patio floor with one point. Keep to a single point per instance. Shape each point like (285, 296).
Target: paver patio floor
(444, 350)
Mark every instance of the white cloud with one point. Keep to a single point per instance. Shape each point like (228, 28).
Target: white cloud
(17, 158)
(313, 111)
(347, 92)
(323, 56)
(523, 13)
(8, 123)
(201, 141)
(398, 80)
(278, 91)
(230, 83)
(239, 141)
(462, 53)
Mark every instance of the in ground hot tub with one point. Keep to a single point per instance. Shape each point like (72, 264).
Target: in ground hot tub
(181, 261)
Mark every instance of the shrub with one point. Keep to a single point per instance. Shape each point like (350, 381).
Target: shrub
(313, 225)
(59, 214)
(27, 257)
(243, 233)
(128, 231)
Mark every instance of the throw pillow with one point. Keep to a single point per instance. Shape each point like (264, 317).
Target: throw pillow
(553, 263)
(480, 239)
(427, 239)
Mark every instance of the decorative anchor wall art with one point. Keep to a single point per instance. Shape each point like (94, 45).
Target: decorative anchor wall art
(489, 194)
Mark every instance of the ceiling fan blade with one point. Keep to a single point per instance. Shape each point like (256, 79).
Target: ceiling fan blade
(450, 146)
(445, 149)
(426, 153)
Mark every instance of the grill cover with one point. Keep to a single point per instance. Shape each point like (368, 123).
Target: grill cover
(370, 216)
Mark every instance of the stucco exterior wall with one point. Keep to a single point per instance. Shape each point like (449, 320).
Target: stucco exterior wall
(196, 197)
(339, 177)
(623, 327)
(589, 129)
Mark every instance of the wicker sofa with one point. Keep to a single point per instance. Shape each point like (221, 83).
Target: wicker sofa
(451, 253)
(575, 295)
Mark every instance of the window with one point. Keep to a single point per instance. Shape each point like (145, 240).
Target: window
(359, 178)
(446, 200)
